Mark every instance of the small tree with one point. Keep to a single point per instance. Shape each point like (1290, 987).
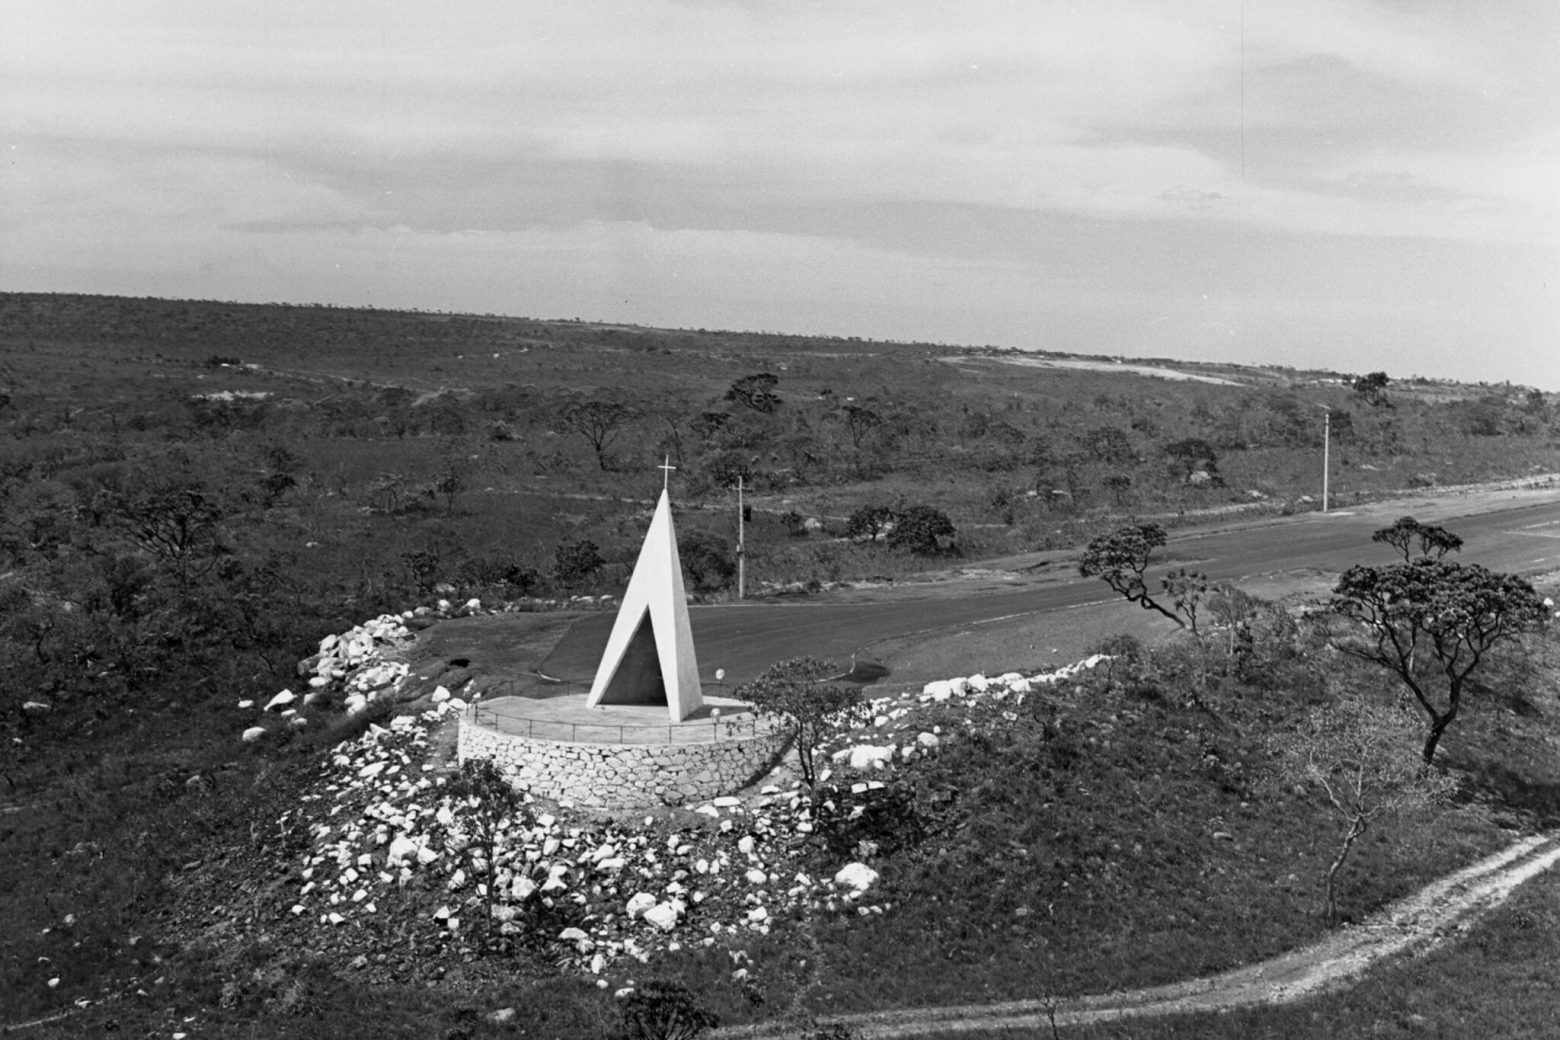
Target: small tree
(178, 521)
(1121, 558)
(599, 421)
(1372, 388)
(726, 468)
(1109, 445)
(795, 693)
(1446, 612)
(859, 420)
(869, 522)
(484, 804)
(1361, 758)
(1433, 542)
(706, 425)
(921, 530)
(756, 392)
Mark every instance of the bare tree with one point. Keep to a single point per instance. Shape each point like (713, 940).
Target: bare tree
(599, 421)
(1361, 757)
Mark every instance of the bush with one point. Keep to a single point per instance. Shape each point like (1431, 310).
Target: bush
(707, 558)
(660, 1010)
(869, 522)
(577, 562)
(922, 530)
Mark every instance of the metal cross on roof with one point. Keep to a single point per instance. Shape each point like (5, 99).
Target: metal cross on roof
(666, 474)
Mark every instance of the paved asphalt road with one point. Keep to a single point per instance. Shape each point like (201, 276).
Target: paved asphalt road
(745, 638)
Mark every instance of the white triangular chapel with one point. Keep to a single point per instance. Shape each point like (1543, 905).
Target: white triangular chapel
(650, 655)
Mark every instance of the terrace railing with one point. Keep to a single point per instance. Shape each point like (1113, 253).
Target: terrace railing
(513, 717)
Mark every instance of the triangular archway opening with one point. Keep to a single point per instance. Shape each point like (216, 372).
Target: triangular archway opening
(637, 678)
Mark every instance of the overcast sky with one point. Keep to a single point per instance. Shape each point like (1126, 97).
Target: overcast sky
(1338, 183)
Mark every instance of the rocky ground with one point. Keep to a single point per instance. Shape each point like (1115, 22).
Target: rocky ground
(370, 863)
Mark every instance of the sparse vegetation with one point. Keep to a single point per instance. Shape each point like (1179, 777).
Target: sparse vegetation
(178, 528)
(797, 693)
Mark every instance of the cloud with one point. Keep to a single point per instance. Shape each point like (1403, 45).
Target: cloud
(590, 149)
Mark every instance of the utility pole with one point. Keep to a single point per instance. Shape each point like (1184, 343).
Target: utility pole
(1326, 454)
(741, 532)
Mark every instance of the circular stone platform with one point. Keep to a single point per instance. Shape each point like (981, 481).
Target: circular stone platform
(621, 756)
(565, 718)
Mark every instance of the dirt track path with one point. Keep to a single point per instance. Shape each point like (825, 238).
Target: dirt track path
(1409, 927)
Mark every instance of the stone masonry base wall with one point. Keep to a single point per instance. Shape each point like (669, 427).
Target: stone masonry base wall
(619, 776)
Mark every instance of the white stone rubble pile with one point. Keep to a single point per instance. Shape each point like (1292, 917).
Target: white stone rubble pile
(896, 735)
(379, 821)
(355, 660)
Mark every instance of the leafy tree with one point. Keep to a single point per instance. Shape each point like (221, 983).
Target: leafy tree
(1433, 542)
(795, 693)
(1121, 558)
(756, 392)
(1360, 757)
(869, 522)
(1118, 484)
(920, 530)
(456, 465)
(1372, 388)
(660, 1010)
(574, 562)
(707, 559)
(859, 421)
(1432, 623)
(1109, 445)
(599, 421)
(726, 468)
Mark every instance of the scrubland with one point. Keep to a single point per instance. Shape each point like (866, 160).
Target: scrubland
(195, 493)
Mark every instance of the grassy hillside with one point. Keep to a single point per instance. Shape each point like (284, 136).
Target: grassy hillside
(193, 494)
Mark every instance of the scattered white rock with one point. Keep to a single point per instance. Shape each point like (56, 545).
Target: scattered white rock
(252, 734)
(858, 877)
(663, 915)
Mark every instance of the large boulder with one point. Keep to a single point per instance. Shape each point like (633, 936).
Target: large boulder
(856, 877)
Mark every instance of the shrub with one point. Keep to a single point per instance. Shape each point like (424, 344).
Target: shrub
(922, 530)
(869, 522)
(576, 562)
(661, 1010)
(707, 559)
